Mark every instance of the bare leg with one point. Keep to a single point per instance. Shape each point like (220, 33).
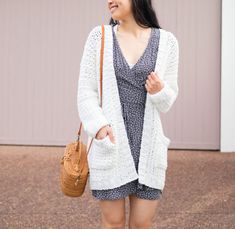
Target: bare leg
(142, 212)
(112, 214)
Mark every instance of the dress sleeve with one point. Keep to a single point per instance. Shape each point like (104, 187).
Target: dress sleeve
(90, 112)
(164, 99)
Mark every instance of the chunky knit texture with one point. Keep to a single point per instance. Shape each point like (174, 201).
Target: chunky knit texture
(111, 165)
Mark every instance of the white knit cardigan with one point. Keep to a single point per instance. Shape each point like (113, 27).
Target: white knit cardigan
(111, 165)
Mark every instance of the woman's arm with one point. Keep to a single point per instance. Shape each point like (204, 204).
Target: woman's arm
(165, 98)
(89, 110)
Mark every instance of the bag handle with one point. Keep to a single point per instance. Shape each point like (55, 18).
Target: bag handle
(101, 84)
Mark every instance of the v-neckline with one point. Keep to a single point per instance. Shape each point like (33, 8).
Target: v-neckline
(142, 55)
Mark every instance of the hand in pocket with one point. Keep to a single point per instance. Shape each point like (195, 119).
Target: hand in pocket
(104, 131)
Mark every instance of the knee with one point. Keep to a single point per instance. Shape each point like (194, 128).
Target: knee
(113, 222)
(140, 224)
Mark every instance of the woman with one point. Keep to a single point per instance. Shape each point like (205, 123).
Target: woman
(128, 155)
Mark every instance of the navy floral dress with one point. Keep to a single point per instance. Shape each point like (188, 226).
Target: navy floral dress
(131, 85)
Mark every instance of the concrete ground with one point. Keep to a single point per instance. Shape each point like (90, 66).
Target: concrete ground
(199, 191)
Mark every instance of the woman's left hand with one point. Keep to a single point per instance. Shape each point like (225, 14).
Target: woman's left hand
(153, 83)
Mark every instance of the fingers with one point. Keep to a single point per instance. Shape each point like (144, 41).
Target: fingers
(153, 83)
(149, 82)
(106, 130)
(110, 133)
(153, 77)
(102, 133)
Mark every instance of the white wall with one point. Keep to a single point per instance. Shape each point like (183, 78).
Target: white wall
(228, 77)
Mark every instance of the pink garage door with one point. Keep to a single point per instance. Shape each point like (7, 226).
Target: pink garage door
(194, 121)
(41, 44)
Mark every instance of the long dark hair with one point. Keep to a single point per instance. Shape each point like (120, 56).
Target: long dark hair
(143, 13)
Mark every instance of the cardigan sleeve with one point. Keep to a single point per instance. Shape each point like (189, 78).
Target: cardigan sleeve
(90, 112)
(164, 99)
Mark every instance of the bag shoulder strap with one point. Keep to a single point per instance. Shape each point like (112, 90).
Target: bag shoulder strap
(101, 80)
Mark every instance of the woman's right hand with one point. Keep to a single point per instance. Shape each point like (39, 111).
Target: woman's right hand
(104, 131)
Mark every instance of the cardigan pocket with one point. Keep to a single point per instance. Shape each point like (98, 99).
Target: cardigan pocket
(102, 155)
(161, 152)
(161, 143)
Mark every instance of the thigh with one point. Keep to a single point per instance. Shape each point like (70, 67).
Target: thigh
(142, 211)
(112, 211)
